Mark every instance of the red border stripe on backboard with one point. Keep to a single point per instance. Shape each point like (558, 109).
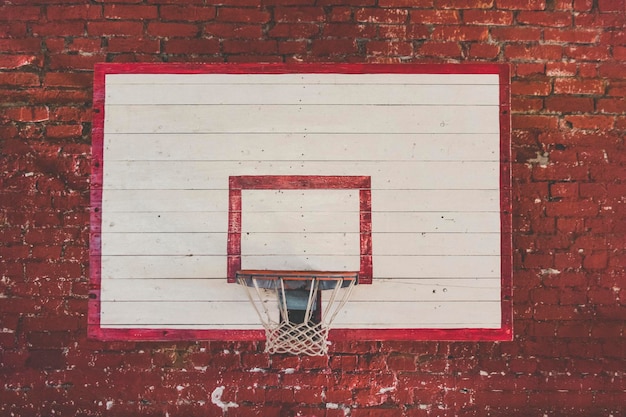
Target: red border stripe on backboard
(299, 182)
(102, 69)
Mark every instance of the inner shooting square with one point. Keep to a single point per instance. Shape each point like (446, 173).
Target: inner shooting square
(296, 222)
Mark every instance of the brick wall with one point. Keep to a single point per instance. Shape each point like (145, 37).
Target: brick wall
(568, 356)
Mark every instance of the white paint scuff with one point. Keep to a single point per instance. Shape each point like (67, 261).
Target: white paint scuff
(216, 398)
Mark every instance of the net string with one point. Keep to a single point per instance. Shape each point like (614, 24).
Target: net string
(285, 336)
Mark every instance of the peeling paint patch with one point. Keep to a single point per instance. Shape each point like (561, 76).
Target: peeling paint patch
(216, 398)
(542, 160)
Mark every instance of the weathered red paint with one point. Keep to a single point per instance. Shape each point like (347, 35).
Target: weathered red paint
(299, 182)
(239, 183)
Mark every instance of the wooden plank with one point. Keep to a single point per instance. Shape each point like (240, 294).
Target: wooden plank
(466, 244)
(164, 200)
(302, 94)
(173, 289)
(436, 222)
(302, 146)
(304, 119)
(157, 221)
(210, 290)
(470, 314)
(194, 244)
(426, 290)
(444, 202)
(409, 314)
(300, 243)
(303, 201)
(303, 222)
(203, 222)
(212, 202)
(311, 262)
(151, 313)
(203, 175)
(299, 78)
(171, 266)
(165, 244)
(432, 266)
(414, 266)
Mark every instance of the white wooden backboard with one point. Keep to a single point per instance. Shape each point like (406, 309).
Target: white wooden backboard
(397, 171)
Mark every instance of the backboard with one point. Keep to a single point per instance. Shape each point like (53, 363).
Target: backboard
(397, 172)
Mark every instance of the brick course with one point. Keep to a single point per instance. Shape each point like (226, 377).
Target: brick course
(567, 60)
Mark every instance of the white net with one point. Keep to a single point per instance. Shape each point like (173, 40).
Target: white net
(289, 303)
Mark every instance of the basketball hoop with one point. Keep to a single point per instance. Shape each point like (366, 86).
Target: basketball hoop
(290, 306)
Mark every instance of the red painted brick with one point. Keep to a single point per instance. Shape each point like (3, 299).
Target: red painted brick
(123, 44)
(114, 27)
(389, 48)
(13, 29)
(531, 88)
(178, 30)
(59, 29)
(334, 47)
(611, 6)
(488, 17)
(46, 359)
(64, 131)
(192, 46)
(345, 30)
(187, 13)
(346, 2)
(250, 47)
(371, 15)
(20, 13)
(611, 105)
(242, 15)
(294, 30)
(401, 362)
(606, 20)
(77, 12)
(521, 5)
(27, 114)
(434, 17)
(590, 122)
(464, 4)
(484, 51)
(549, 19)
(612, 70)
(572, 209)
(440, 49)
(426, 4)
(566, 190)
(561, 69)
(578, 86)
(572, 36)
(535, 122)
(533, 52)
(526, 69)
(460, 33)
(233, 30)
(516, 33)
(569, 104)
(130, 12)
(588, 53)
(30, 45)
